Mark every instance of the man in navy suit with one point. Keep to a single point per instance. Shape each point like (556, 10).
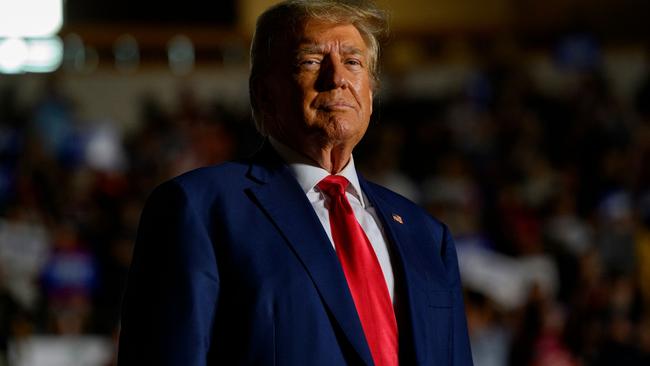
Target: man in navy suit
(243, 263)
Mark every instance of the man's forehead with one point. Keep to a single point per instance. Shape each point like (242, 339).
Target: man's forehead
(314, 32)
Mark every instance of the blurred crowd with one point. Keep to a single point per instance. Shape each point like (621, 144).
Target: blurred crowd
(548, 197)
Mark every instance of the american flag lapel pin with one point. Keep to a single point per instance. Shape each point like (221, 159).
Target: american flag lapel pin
(398, 218)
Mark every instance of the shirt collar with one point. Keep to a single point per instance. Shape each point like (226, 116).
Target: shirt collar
(308, 174)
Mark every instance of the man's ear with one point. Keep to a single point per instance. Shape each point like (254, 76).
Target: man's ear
(261, 95)
(263, 104)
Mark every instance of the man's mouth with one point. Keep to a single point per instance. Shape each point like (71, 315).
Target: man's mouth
(336, 106)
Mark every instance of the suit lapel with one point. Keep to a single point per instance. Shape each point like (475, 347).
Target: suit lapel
(413, 271)
(286, 205)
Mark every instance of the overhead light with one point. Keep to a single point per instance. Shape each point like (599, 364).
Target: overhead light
(13, 54)
(30, 18)
(19, 55)
(28, 41)
(180, 54)
(127, 53)
(45, 55)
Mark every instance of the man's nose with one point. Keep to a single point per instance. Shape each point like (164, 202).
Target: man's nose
(332, 74)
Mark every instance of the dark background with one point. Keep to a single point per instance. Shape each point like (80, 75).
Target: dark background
(523, 125)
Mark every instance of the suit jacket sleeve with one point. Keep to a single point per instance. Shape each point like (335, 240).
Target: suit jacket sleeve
(173, 284)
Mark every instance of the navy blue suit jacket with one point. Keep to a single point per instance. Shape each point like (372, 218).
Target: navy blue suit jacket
(232, 266)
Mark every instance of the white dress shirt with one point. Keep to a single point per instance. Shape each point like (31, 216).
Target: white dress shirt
(308, 175)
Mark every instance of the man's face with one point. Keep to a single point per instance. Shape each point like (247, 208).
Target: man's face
(321, 88)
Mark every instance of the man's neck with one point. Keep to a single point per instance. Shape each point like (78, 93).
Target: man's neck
(332, 158)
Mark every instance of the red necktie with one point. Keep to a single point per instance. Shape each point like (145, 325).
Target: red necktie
(363, 273)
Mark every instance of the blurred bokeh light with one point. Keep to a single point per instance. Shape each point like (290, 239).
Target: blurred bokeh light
(28, 41)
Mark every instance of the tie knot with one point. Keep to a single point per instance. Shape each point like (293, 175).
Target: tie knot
(333, 185)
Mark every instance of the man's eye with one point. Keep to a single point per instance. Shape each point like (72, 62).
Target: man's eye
(353, 62)
(309, 63)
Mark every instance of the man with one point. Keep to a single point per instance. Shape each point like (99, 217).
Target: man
(291, 258)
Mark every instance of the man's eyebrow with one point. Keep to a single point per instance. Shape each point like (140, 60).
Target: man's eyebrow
(311, 49)
(351, 50)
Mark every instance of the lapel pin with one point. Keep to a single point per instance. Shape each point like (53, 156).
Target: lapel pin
(398, 218)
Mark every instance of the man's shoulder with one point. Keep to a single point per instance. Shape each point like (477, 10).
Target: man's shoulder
(391, 196)
(399, 202)
(397, 208)
(213, 176)
(205, 183)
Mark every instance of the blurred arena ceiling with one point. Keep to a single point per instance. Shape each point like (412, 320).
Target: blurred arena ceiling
(217, 24)
(194, 12)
